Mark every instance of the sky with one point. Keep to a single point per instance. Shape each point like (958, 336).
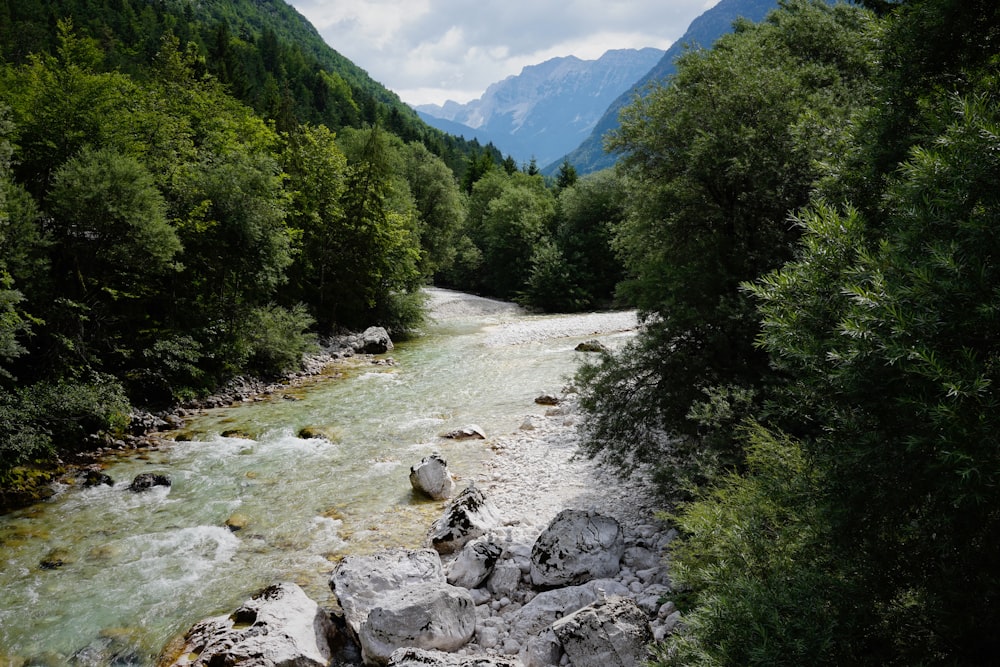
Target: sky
(430, 51)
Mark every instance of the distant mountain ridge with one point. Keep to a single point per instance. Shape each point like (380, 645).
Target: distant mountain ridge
(589, 156)
(548, 108)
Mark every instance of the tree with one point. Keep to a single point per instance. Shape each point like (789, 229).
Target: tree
(893, 349)
(714, 162)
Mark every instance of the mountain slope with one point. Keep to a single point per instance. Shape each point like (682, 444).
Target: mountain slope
(266, 53)
(548, 108)
(702, 33)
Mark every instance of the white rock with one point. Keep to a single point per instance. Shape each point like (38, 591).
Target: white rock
(577, 546)
(415, 657)
(505, 578)
(468, 516)
(548, 606)
(542, 650)
(472, 431)
(278, 626)
(609, 633)
(427, 615)
(360, 582)
(431, 477)
(474, 563)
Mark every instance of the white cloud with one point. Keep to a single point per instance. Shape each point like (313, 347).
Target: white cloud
(433, 50)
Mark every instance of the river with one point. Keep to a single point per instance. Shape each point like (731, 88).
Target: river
(140, 568)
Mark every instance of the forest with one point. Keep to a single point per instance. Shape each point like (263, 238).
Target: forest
(804, 215)
(811, 237)
(189, 194)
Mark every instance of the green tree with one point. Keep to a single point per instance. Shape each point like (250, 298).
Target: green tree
(894, 354)
(317, 179)
(714, 162)
(509, 217)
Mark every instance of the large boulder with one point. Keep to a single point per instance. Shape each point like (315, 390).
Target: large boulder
(474, 563)
(468, 516)
(417, 657)
(577, 546)
(426, 615)
(431, 477)
(545, 608)
(373, 340)
(608, 633)
(278, 627)
(361, 582)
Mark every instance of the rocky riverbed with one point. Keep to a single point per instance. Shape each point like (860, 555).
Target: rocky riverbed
(510, 583)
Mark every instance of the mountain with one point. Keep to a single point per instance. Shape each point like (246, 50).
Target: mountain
(702, 33)
(264, 51)
(548, 108)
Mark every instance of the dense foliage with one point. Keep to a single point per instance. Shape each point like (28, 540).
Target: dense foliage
(836, 484)
(158, 236)
(193, 191)
(715, 161)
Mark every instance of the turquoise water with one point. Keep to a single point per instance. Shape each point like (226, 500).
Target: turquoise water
(139, 569)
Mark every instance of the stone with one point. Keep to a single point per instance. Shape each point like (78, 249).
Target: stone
(504, 579)
(237, 521)
(425, 615)
(277, 627)
(431, 477)
(470, 432)
(608, 633)
(97, 478)
(474, 563)
(147, 480)
(361, 581)
(577, 546)
(416, 657)
(373, 340)
(543, 609)
(547, 399)
(592, 345)
(468, 516)
(542, 650)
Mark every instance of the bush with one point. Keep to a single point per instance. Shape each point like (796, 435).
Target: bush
(277, 339)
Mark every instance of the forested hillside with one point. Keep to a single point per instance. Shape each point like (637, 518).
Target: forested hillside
(811, 234)
(194, 191)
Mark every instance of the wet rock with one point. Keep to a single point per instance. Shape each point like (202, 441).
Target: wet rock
(147, 480)
(97, 478)
(472, 431)
(416, 657)
(426, 615)
(608, 633)
(237, 521)
(575, 547)
(361, 581)
(316, 433)
(56, 558)
(236, 433)
(277, 627)
(592, 345)
(468, 516)
(474, 563)
(547, 399)
(431, 477)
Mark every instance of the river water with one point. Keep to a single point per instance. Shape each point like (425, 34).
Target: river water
(140, 568)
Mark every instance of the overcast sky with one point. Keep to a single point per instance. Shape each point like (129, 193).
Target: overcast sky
(436, 50)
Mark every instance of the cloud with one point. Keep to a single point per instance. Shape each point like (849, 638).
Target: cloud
(433, 50)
